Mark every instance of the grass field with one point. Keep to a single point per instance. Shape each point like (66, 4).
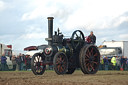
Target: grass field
(51, 78)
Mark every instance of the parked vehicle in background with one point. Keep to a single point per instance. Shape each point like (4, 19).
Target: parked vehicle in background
(110, 49)
(114, 48)
(7, 49)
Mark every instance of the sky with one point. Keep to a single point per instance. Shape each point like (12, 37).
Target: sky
(24, 23)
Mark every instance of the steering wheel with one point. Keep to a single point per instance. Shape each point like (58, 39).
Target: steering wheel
(77, 39)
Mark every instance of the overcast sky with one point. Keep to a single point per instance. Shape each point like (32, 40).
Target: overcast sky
(24, 22)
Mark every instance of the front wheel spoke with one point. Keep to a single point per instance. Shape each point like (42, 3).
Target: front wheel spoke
(60, 58)
(61, 69)
(63, 66)
(38, 58)
(35, 60)
(63, 60)
(88, 67)
(58, 67)
(58, 61)
(64, 63)
(92, 67)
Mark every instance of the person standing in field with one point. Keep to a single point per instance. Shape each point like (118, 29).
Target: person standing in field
(18, 62)
(3, 62)
(113, 61)
(118, 65)
(122, 61)
(14, 62)
(27, 61)
(22, 57)
(127, 64)
(106, 63)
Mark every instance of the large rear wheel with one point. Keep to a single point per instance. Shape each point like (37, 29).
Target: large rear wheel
(37, 64)
(89, 59)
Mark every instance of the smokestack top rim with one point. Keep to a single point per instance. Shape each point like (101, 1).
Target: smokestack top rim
(50, 18)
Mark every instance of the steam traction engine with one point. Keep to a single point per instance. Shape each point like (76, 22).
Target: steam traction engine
(66, 54)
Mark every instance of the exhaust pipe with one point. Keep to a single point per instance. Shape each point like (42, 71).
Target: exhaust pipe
(50, 30)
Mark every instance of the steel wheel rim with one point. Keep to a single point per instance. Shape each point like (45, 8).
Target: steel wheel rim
(61, 63)
(91, 59)
(38, 64)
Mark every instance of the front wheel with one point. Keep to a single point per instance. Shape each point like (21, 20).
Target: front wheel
(37, 64)
(60, 63)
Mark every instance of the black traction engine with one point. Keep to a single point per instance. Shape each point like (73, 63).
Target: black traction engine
(66, 54)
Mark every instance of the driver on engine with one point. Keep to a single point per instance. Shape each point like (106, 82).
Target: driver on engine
(92, 38)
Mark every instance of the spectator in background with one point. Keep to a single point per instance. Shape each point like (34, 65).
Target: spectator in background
(101, 67)
(27, 61)
(106, 63)
(14, 62)
(122, 61)
(22, 61)
(118, 65)
(113, 61)
(18, 61)
(125, 60)
(127, 64)
(101, 63)
(3, 62)
(92, 37)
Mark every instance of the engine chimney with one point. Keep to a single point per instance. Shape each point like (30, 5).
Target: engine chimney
(50, 30)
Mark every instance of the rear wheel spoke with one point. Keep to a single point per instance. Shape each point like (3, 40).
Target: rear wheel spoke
(86, 60)
(92, 67)
(92, 51)
(87, 56)
(96, 54)
(95, 62)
